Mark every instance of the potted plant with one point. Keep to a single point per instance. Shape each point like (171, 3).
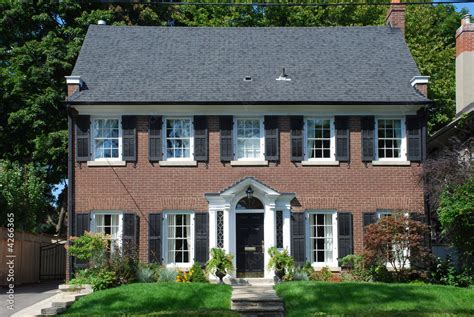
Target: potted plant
(220, 264)
(281, 262)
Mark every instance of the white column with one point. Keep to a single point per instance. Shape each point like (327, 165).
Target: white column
(269, 232)
(212, 228)
(287, 227)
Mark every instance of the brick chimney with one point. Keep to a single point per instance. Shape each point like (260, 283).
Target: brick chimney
(465, 65)
(74, 83)
(396, 15)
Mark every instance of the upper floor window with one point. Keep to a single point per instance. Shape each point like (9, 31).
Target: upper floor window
(319, 139)
(179, 139)
(390, 139)
(249, 139)
(106, 139)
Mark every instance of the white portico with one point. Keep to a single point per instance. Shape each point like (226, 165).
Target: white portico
(238, 209)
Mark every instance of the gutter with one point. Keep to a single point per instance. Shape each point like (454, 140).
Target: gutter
(399, 103)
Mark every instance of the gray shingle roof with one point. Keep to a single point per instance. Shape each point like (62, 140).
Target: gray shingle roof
(200, 65)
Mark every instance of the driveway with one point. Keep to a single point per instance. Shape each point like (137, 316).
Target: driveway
(27, 295)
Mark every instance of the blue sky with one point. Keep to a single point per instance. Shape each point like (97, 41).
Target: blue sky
(469, 6)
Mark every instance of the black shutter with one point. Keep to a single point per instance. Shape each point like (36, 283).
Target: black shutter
(414, 138)
(82, 224)
(155, 152)
(296, 135)
(201, 237)
(345, 239)
(227, 147)
(298, 241)
(368, 218)
(83, 124)
(342, 139)
(200, 138)
(272, 139)
(367, 138)
(129, 138)
(129, 236)
(154, 238)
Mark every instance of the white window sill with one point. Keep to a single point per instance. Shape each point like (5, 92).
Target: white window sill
(332, 267)
(178, 163)
(249, 163)
(320, 163)
(106, 163)
(391, 163)
(179, 266)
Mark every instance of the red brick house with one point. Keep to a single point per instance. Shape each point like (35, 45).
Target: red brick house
(184, 139)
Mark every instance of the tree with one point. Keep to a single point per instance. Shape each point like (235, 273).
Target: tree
(396, 240)
(22, 193)
(456, 215)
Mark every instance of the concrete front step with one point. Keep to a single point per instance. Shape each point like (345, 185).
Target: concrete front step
(249, 281)
(257, 306)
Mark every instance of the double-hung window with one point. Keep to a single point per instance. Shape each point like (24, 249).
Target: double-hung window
(390, 140)
(107, 141)
(179, 143)
(109, 224)
(319, 139)
(322, 238)
(179, 238)
(250, 143)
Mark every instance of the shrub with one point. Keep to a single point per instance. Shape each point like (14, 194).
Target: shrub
(124, 262)
(98, 278)
(324, 275)
(197, 274)
(456, 215)
(356, 267)
(396, 240)
(90, 247)
(296, 274)
(444, 272)
(167, 275)
(148, 273)
(308, 269)
(380, 273)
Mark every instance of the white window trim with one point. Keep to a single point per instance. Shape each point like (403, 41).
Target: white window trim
(262, 141)
(165, 239)
(403, 146)
(164, 143)
(332, 147)
(334, 263)
(92, 137)
(120, 230)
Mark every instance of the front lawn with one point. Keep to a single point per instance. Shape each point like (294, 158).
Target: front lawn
(374, 299)
(157, 299)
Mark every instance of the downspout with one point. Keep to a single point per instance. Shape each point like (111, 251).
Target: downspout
(70, 192)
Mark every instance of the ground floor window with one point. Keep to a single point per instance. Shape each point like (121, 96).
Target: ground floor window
(109, 224)
(322, 237)
(179, 238)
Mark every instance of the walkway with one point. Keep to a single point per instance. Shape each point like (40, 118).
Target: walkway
(256, 299)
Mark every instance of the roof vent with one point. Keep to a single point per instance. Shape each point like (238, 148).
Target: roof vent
(283, 76)
(247, 78)
(101, 22)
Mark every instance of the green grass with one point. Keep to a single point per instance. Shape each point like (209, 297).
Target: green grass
(374, 299)
(156, 299)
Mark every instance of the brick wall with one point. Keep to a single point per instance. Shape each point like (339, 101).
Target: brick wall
(144, 187)
(465, 37)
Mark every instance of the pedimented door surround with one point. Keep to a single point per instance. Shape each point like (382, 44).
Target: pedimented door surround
(227, 200)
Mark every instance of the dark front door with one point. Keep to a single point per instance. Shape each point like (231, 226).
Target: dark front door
(249, 245)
